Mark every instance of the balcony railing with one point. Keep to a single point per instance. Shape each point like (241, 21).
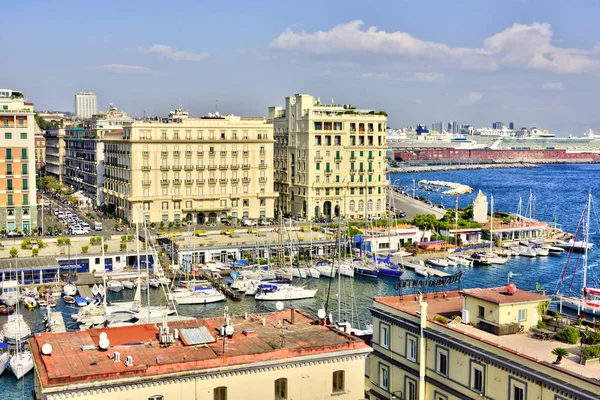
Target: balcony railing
(200, 181)
(199, 153)
(164, 181)
(176, 167)
(189, 181)
(318, 158)
(222, 167)
(176, 181)
(235, 180)
(200, 167)
(246, 166)
(223, 153)
(235, 166)
(164, 153)
(223, 180)
(212, 167)
(188, 153)
(245, 180)
(145, 153)
(164, 167)
(234, 153)
(176, 153)
(262, 179)
(245, 153)
(146, 183)
(212, 180)
(188, 167)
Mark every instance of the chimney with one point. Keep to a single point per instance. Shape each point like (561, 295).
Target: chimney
(292, 314)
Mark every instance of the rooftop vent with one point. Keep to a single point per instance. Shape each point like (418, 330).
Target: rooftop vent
(116, 356)
(129, 361)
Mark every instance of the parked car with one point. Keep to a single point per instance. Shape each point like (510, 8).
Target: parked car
(14, 234)
(320, 220)
(265, 222)
(400, 214)
(98, 226)
(119, 228)
(78, 232)
(249, 222)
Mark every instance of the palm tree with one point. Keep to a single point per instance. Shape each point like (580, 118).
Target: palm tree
(559, 352)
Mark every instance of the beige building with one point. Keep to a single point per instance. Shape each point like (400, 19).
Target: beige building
(475, 343)
(329, 159)
(18, 211)
(280, 356)
(203, 170)
(55, 153)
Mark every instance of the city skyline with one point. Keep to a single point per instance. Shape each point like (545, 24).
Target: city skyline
(526, 64)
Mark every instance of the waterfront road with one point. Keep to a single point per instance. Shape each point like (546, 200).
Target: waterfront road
(412, 206)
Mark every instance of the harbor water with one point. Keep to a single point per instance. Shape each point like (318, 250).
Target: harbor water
(560, 192)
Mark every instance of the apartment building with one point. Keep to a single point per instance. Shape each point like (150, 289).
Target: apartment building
(330, 160)
(84, 152)
(40, 150)
(197, 169)
(55, 153)
(86, 105)
(18, 211)
(469, 344)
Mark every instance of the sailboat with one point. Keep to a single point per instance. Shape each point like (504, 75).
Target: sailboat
(4, 357)
(16, 329)
(589, 302)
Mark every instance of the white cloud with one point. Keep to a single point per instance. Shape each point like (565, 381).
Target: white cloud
(471, 98)
(172, 53)
(122, 69)
(423, 77)
(553, 86)
(519, 46)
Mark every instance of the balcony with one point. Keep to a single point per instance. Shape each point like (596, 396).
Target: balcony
(262, 179)
(176, 167)
(245, 153)
(352, 172)
(262, 166)
(361, 172)
(234, 153)
(370, 158)
(199, 153)
(176, 181)
(200, 167)
(318, 158)
(200, 181)
(223, 154)
(235, 180)
(245, 180)
(211, 153)
(212, 167)
(146, 183)
(328, 172)
(246, 166)
(145, 153)
(212, 181)
(188, 167)
(188, 153)
(234, 166)
(164, 153)
(222, 167)
(223, 180)
(370, 172)
(176, 153)
(189, 181)
(164, 167)
(164, 181)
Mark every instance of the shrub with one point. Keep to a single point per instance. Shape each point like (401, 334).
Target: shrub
(554, 314)
(40, 243)
(84, 249)
(590, 352)
(162, 224)
(35, 252)
(199, 232)
(14, 252)
(591, 337)
(25, 243)
(440, 319)
(542, 325)
(129, 237)
(559, 352)
(123, 246)
(123, 238)
(105, 247)
(568, 335)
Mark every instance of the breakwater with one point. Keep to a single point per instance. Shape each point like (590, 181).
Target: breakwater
(455, 167)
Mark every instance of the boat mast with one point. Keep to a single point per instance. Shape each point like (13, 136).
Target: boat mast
(339, 276)
(491, 222)
(139, 259)
(586, 241)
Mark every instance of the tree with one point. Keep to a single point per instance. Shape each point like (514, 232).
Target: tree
(14, 252)
(559, 352)
(424, 221)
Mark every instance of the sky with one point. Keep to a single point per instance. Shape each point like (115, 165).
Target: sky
(536, 63)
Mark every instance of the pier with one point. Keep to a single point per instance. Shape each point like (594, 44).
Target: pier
(56, 323)
(430, 271)
(85, 291)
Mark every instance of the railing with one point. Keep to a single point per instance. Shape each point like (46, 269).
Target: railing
(223, 180)
(164, 153)
(146, 183)
(189, 181)
(176, 181)
(223, 153)
(212, 180)
(188, 153)
(199, 153)
(235, 180)
(246, 166)
(235, 166)
(245, 153)
(176, 153)
(200, 167)
(164, 181)
(145, 153)
(245, 180)
(318, 158)
(262, 179)
(212, 167)
(188, 167)
(222, 167)
(234, 153)
(262, 166)
(200, 181)
(164, 167)
(176, 167)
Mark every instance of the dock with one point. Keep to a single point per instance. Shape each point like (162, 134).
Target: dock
(56, 323)
(85, 291)
(430, 271)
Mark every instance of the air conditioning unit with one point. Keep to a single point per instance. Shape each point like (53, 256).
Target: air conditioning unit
(117, 356)
(466, 316)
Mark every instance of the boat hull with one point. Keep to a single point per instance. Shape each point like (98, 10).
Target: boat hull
(21, 364)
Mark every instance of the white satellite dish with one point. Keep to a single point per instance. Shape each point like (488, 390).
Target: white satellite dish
(229, 330)
(103, 335)
(321, 313)
(47, 349)
(104, 343)
(279, 306)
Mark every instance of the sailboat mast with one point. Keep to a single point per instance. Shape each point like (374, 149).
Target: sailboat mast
(586, 240)
(339, 276)
(491, 222)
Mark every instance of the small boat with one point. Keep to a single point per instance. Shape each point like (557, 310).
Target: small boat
(299, 272)
(282, 293)
(30, 302)
(95, 290)
(16, 329)
(527, 251)
(56, 291)
(576, 246)
(422, 271)
(69, 299)
(389, 270)
(542, 251)
(207, 296)
(114, 286)
(7, 311)
(460, 260)
(313, 272)
(81, 301)
(153, 282)
(452, 263)
(4, 357)
(438, 262)
(128, 285)
(51, 302)
(555, 251)
(480, 259)
(9, 292)
(42, 302)
(493, 258)
(21, 363)
(69, 289)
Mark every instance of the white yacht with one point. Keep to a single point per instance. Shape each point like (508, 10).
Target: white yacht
(69, 289)
(114, 286)
(16, 329)
(9, 293)
(281, 293)
(4, 357)
(21, 363)
(202, 295)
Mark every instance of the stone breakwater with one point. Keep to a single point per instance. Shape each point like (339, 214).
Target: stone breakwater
(438, 168)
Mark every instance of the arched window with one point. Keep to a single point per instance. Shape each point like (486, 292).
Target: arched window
(370, 205)
(281, 389)
(379, 205)
(352, 205)
(220, 393)
(361, 205)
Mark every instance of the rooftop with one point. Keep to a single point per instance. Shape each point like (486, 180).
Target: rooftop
(499, 295)
(252, 342)
(522, 344)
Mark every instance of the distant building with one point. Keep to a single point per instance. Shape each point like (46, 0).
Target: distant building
(437, 126)
(85, 105)
(480, 208)
(449, 127)
(511, 126)
(497, 125)
(55, 153)
(454, 128)
(18, 211)
(40, 150)
(281, 355)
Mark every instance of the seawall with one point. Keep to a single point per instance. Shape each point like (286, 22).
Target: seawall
(437, 168)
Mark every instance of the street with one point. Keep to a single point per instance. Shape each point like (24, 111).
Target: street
(412, 206)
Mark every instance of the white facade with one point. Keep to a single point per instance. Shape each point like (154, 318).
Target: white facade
(85, 104)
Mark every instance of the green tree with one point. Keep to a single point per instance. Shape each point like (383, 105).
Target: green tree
(559, 352)
(14, 252)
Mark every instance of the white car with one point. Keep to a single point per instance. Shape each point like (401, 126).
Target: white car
(249, 222)
(265, 222)
(78, 232)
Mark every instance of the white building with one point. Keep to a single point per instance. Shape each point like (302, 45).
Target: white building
(85, 104)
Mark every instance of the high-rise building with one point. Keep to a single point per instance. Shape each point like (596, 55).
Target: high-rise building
(18, 211)
(511, 126)
(178, 168)
(330, 160)
(449, 127)
(497, 125)
(455, 128)
(85, 105)
(84, 152)
(437, 126)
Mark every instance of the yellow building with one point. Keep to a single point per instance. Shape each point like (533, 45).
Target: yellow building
(280, 356)
(470, 344)
(18, 211)
(329, 159)
(198, 169)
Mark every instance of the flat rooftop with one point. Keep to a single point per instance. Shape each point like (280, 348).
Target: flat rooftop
(499, 295)
(68, 364)
(520, 344)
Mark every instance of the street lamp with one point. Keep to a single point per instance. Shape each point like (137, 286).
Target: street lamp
(396, 396)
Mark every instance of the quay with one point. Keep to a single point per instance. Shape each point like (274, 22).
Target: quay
(56, 323)
(85, 291)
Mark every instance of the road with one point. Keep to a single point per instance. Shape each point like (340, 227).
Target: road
(413, 207)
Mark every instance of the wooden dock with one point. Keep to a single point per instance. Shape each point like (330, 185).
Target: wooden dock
(430, 271)
(85, 291)
(56, 324)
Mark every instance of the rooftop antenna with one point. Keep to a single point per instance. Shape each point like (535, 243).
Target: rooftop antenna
(217, 105)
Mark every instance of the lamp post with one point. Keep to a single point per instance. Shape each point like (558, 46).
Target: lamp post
(397, 395)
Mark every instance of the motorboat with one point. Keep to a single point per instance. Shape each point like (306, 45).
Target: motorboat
(81, 301)
(69, 299)
(154, 282)
(438, 262)
(29, 302)
(42, 302)
(16, 329)
(542, 251)
(554, 251)
(204, 296)
(325, 269)
(128, 284)
(460, 260)
(21, 363)
(51, 302)
(313, 272)
(56, 291)
(452, 263)
(527, 251)
(114, 286)
(480, 259)
(344, 269)
(4, 357)
(69, 289)
(9, 293)
(494, 258)
(389, 270)
(298, 272)
(576, 245)
(422, 271)
(282, 293)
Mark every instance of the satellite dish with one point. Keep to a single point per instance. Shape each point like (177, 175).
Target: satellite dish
(279, 306)
(321, 313)
(104, 343)
(47, 349)
(229, 330)
(103, 335)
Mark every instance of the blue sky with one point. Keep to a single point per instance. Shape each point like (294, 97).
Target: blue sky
(531, 62)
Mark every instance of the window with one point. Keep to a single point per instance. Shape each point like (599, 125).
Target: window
(281, 389)
(7, 135)
(411, 348)
(477, 378)
(157, 397)
(23, 154)
(10, 200)
(518, 393)
(384, 376)
(518, 389)
(384, 334)
(410, 389)
(338, 382)
(9, 185)
(481, 313)
(9, 170)
(9, 154)
(352, 205)
(442, 362)
(245, 203)
(522, 315)
(24, 169)
(23, 135)
(25, 184)
(220, 393)
(165, 205)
